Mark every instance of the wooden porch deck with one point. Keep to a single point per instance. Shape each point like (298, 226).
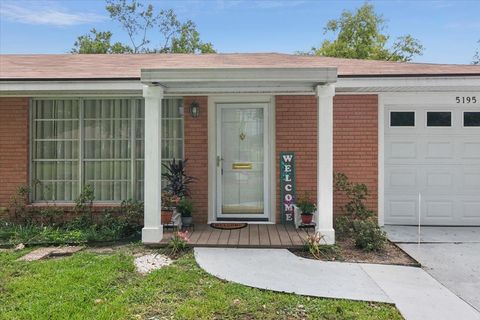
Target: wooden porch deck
(252, 236)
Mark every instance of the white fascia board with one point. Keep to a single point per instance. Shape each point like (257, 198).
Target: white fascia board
(178, 76)
(70, 87)
(409, 84)
(241, 88)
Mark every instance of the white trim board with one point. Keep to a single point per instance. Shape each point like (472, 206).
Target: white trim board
(409, 84)
(212, 149)
(408, 102)
(249, 81)
(266, 165)
(195, 75)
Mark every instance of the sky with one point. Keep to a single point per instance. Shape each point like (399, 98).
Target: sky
(448, 29)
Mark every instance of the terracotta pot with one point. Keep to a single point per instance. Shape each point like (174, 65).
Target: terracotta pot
(166, 216)
(306, 218)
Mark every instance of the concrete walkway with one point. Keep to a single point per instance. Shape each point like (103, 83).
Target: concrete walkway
(415, 293)
(450, 254)
(409, 234)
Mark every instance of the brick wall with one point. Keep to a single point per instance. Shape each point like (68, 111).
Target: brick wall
(355, 143)
(13, 146)
(196, 151)
(296, 130)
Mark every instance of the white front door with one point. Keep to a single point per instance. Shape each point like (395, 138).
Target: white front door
(242, 138)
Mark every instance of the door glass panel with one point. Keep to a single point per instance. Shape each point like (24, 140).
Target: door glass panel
(242, 166)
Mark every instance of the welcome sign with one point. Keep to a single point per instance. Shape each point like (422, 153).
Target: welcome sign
(287, 186)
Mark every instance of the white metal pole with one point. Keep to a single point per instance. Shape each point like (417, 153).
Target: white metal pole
(419, 214)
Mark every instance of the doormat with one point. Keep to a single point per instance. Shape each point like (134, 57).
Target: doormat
(228, 226)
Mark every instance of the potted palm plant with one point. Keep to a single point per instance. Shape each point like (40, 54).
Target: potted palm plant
(176, 178)
(185, 207)
(176, 188)
(307, 207)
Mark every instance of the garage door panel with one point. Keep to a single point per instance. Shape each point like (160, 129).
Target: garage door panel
(441, 163)
(471, 180)
(401, 177)
(402, 150)
(439, 180)
(438, 209)
(439, 150)
(402, 210)
(471, 150)
(471, 210)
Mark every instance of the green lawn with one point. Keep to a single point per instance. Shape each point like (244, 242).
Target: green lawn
(68, 288)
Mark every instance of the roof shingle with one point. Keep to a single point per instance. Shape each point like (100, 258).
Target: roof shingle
(127, 66)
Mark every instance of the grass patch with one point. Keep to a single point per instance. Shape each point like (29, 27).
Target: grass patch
(92, 286)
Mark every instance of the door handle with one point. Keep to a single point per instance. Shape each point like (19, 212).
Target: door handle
(219, 161)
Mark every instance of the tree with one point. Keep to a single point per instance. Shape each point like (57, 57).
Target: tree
(139, 21)
(360, 35)
(476, 57)
(98, 42)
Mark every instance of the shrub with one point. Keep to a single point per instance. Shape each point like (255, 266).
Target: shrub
(132, 212)
(57, 235)
(45, 225)
(368, 236)
(17, 206)
(50, 215)
(84, 202)
(356, 193)
(343, 227)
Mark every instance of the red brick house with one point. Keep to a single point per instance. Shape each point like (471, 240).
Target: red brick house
(404, 129)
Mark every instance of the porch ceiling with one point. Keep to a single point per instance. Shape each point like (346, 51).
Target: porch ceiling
(239, 80)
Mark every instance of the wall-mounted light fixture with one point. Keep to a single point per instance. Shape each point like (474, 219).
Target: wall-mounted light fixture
(194, 109)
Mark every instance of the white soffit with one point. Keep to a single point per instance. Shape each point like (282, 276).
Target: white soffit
(239, 80)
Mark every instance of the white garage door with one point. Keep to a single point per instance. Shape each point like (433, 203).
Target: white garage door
(434, 151)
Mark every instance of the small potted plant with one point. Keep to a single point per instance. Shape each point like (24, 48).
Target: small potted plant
(169, 202)
(307, 207)
(185, 207)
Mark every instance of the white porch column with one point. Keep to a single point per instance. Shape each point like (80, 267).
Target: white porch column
(152, 231)
(324, 216)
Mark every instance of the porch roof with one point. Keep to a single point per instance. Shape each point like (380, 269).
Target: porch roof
(239, 80)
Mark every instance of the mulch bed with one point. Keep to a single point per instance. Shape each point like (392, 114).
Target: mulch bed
(346, 251)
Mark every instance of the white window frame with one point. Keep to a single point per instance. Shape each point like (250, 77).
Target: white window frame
(452, 119)
(462, 112)
(81, 159)
(400, 127)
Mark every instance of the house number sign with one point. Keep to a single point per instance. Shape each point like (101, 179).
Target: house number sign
(466, 99)
(287, 186)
